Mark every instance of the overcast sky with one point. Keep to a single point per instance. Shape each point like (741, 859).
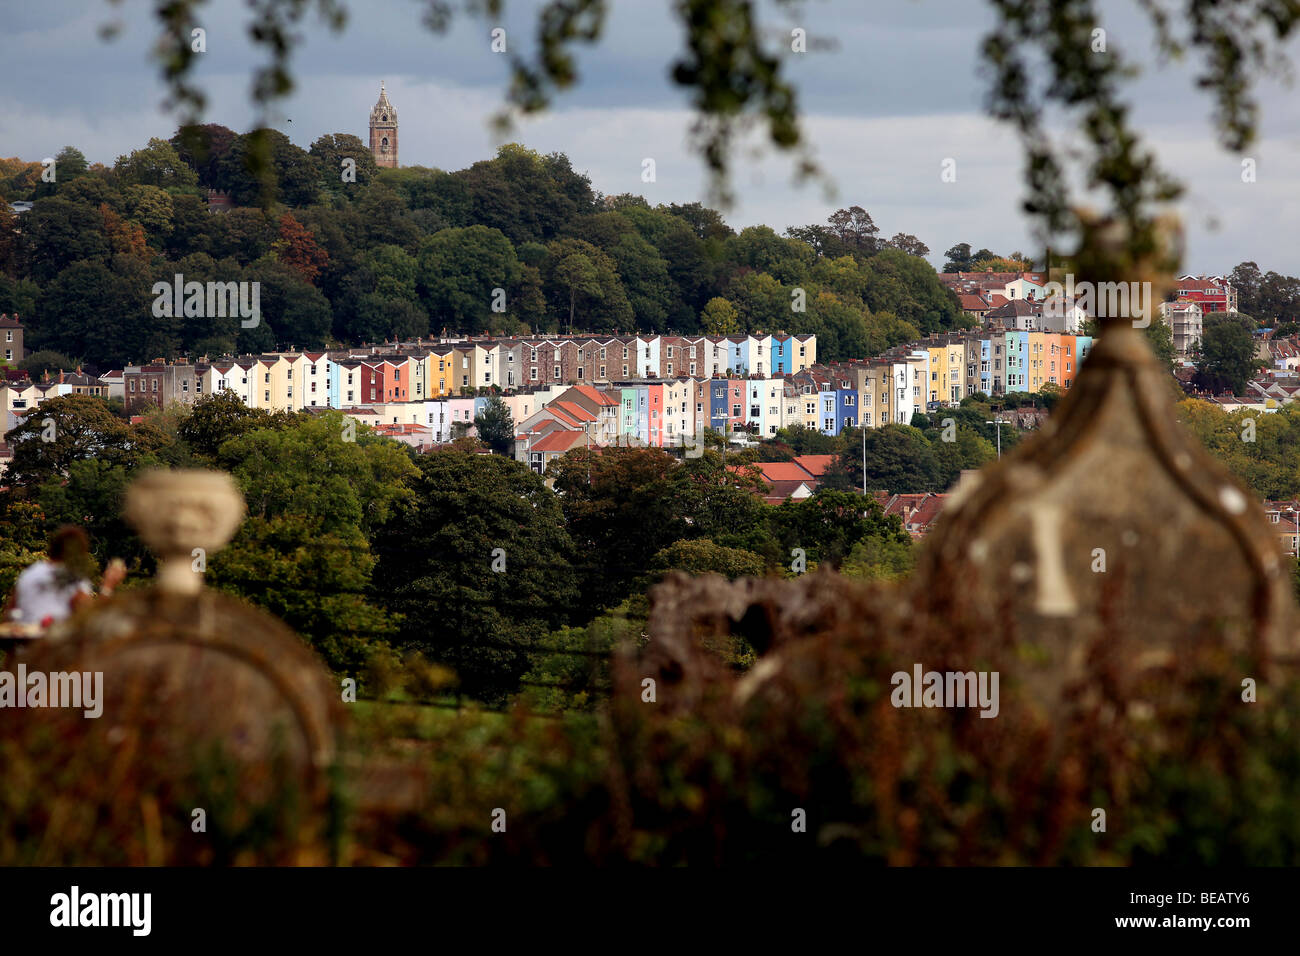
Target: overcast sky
(888, 89)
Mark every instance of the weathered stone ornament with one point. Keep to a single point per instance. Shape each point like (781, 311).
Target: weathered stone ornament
(201, 691)
(1010, 574)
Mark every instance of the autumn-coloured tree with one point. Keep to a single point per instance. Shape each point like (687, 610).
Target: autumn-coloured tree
(297, 248)
(126, 238)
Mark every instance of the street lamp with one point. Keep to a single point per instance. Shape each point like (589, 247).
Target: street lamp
(999, 421)
(864, 461)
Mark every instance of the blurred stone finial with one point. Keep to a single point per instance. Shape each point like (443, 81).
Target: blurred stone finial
(1109, 542)
(199, 687)
(1112, 534)
(180, 512)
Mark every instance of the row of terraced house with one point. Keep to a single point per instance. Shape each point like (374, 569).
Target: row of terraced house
(561, 391)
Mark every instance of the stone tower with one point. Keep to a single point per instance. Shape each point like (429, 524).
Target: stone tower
(383, 132)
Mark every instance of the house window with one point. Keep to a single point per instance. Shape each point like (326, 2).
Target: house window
(579, 371)
(602, 355)
(602, 369)
(557, 373)
(267, 396)
(625, 367)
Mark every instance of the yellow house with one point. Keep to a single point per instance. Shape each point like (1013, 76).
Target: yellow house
(804, 353)
(441, 369)
(472, 366)
(270, 386)
(956, 349)
(935, 389)
(874, 396)
(1036, 370)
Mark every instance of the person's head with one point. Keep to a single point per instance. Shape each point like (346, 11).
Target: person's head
(69, 544)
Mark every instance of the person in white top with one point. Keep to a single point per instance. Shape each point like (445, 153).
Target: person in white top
(49, 591)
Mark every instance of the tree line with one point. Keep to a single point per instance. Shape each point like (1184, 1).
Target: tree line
(347, 253)
(367, 548)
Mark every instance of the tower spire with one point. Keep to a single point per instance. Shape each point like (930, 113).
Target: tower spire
(383, 130)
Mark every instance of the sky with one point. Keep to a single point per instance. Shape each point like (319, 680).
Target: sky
(888, 89)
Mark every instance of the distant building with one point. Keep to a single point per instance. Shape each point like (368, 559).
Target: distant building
(1186, 318)
(11, 339)
(383, 131)
(1211, 293)
(158, 384)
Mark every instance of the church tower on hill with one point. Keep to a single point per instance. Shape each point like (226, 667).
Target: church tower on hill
(383, 132)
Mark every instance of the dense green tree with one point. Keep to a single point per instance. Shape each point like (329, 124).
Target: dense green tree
(46, 360)
(480, 566)
(958, 258)
(855, 228)
(91, 495)
(72, 428)
(880, 558)
(622, 507)
(702, 556)
(1226, 357)
(583, 287)
(909, 288)
(760, 249)
(459, 271)
(496, 426)
(332, 150)
(900, 460)
(827, 525)
(56, 233)
(1247, 280)
(152, 208)
(204, 149)
(157, 164)
(905, 242)
(215, 419)
(293, 311)
(720, 317)
(104, 314)
(303, 552)
(704, 222)
(642, 270)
